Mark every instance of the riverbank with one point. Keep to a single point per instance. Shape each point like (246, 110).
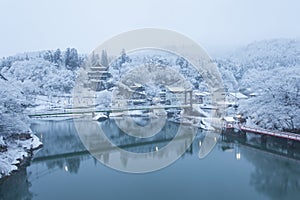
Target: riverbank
(15, 150)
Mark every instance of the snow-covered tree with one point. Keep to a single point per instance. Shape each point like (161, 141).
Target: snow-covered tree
(57, 57)
(104, 59)
(12, 105)
(277, 106)
(269, 68)
(73, 60)
(7, 62)
(48, 56)
(38, 76)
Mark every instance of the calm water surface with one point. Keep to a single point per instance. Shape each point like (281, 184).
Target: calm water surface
(237, 168)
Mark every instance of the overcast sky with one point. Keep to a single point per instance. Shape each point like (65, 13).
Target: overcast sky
(215, 24)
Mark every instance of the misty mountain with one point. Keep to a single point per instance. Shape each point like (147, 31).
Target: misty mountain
(261, 55)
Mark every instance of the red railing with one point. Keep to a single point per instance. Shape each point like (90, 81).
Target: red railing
(291, 136)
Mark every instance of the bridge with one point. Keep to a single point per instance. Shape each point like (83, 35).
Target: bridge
(105, 110)
(279, 134)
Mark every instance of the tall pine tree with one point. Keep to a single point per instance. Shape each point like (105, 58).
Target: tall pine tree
(57, 57)
(104, 59)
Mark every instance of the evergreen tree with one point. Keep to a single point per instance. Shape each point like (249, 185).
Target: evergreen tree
(71, 59)
(104, 59)
(57, 57)
(181, 62)
(74, 61)
(48, 56)
(124, 58)
(67, 58)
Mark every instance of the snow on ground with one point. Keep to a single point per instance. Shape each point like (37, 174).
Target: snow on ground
(17, 150)
(25, 82)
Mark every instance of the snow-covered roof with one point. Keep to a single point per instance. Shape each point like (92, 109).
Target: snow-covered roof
(201, 93)
(136, 85)
(95, 80)
(229, 119)
(238, 95)
(177, 89)
(224, 103)
(205, 106)
(98, 68)
(254, 94)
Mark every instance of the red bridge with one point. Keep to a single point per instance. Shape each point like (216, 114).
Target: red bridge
(286, 135)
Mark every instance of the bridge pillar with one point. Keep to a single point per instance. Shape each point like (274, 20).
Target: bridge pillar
(191, 98)
(263, 140)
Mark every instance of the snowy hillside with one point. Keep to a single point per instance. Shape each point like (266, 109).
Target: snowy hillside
(271, 70)
(12, 104)
(29, 74)
(268, 54)
(43, 73)
(278, 104)
(22, 78)
(38, 76)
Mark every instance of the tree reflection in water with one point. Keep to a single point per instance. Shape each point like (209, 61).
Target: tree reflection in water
(69, 164)
(277, 172)
(274, 176)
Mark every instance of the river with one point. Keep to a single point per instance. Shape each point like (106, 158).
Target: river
(236, 168)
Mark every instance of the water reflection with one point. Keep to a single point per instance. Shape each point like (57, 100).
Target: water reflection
(58, 137)
(276, 164)
(69, 164)
(267, 169)
(273, 176)
(16, 187)
(110, 145)
(64, 150)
